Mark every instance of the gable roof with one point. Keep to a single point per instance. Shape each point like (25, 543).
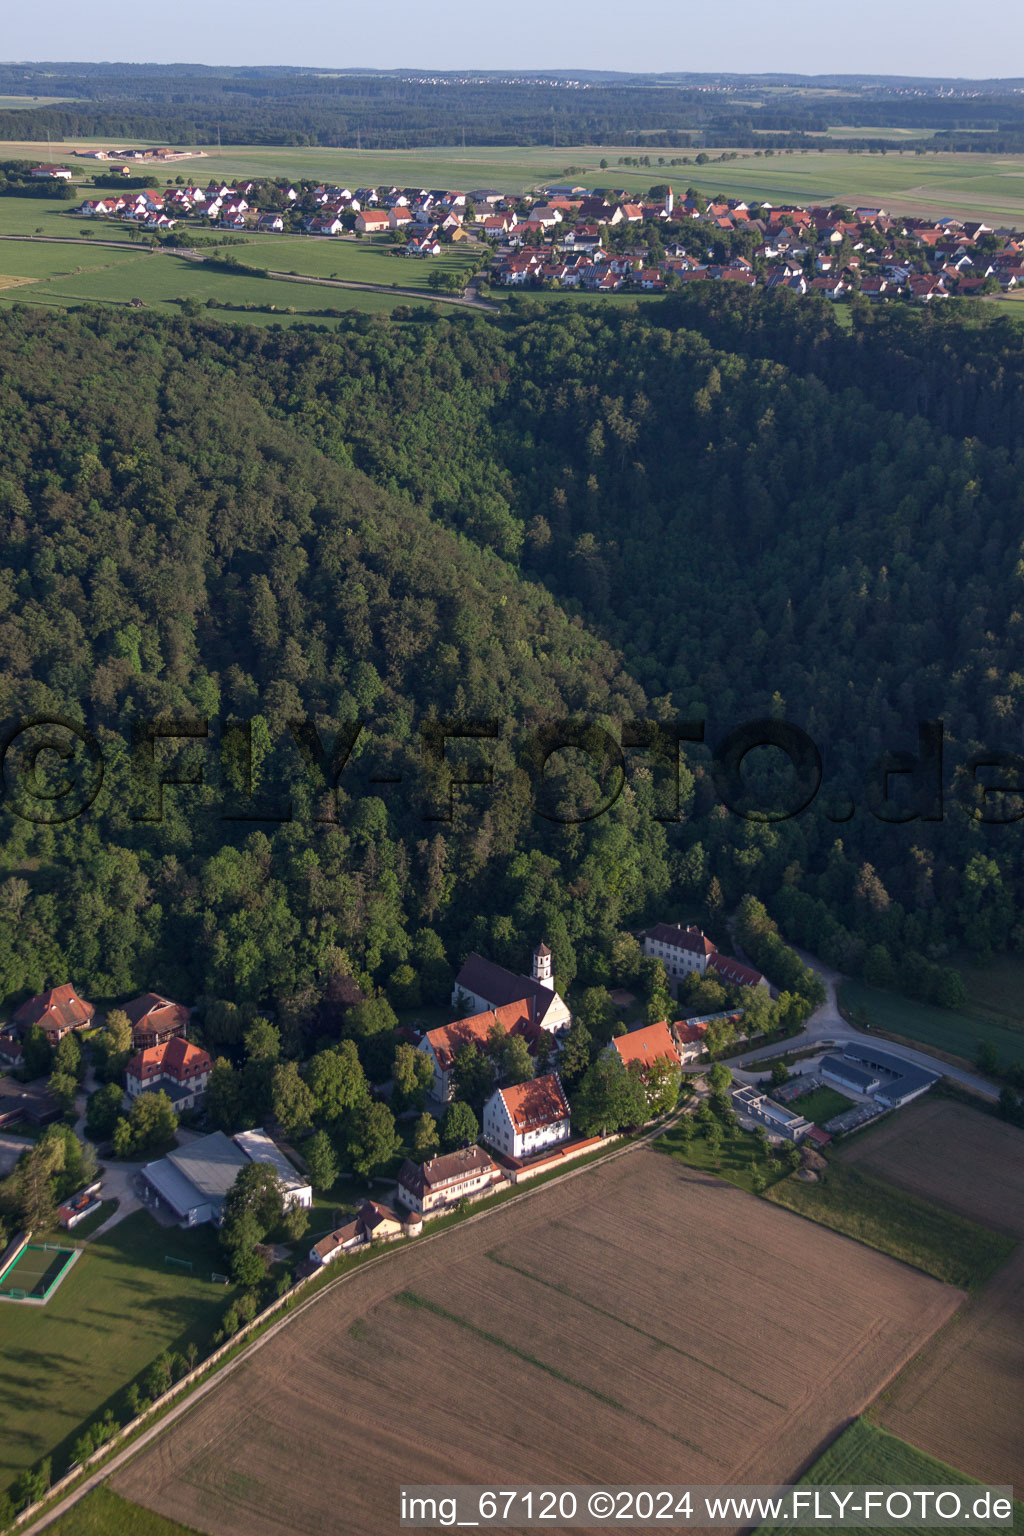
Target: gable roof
(690, 938)
(58, 1008)
(424, 1178)
(654, 1043)
(539, 1102)
(176, 1057)
(448, 1039)
(735, 971)
(499, 987)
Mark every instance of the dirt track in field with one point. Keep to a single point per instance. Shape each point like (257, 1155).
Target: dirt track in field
(640, 1322)
(962, 1399)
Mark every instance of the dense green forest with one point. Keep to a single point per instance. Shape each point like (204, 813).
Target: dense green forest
(193, 104)
(688, 511)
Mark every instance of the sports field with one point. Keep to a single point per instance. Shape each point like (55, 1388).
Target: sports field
(956, 1033)
(866, 1455)
(546, 1342)
(117, 1309)
(38, 1269)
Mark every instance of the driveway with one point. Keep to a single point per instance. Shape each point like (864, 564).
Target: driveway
(826, 1027)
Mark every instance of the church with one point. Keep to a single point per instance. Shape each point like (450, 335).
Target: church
(482, 985)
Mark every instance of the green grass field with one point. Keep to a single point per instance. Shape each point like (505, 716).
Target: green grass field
(820, 1105)
(120, 1307)
(988, 186)
(370, 260)
(957, 1034)
(953, 1249)
(865, 1455)
(102, 1513)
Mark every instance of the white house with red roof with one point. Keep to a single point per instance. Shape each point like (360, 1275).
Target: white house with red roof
(444, 1181)
(443, 1044)
(180, 1069)
(372, 221)
(528, 1117)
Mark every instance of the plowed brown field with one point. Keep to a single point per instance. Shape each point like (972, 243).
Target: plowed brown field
(638, 1322)
(963, 1398)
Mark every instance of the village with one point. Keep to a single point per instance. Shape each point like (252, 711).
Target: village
(542, 1104)
(567, 237)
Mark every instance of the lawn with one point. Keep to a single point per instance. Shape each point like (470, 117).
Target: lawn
(355, 261)
(735, 1161)
(40, 215)
(820, 1105)
(957, 1034)
(40, 260)
(950, 1247)
(102, 1513)
(119, 1308)
(865, 1455)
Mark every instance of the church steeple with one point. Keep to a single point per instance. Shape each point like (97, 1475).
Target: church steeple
(542, 967)
(669, 202)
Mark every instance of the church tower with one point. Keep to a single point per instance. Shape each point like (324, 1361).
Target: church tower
(669, 203)
(542, 967)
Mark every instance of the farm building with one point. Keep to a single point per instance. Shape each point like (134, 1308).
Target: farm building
(774, 1117)
(528, 1117)
(57, 1012)
(444, 1181)
(193, 1181)
(877, 1074)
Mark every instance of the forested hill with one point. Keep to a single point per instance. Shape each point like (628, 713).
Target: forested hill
(650, 512)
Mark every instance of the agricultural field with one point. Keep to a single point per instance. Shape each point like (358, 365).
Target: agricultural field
(946, 1031)
(963, 1398)
(543, 1342)
(952, 1248)
(971, 186)
(118, 1309)
(865, 1454)
(103, 1513)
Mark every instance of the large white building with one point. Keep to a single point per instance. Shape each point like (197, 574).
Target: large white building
(525, 1119)
(683, 950)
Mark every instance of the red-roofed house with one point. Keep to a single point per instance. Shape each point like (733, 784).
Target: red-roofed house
(442, 1045)
(373, 1223)
(644, 1046)
(740, 975)
(181, 1070)
(58, 1012)
(689, 1041)
(522, 1120)
(155, 1019)
(372, 221)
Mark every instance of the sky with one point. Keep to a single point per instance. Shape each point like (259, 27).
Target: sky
(920, 37)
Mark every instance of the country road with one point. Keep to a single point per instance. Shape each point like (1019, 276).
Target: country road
(827, 1027)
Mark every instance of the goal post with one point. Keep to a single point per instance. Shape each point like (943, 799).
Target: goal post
(185, 1265)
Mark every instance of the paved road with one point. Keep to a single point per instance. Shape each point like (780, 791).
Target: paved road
(827, 1027)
